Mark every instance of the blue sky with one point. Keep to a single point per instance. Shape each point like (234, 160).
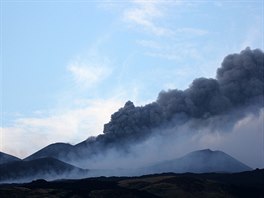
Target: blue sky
(66, 66)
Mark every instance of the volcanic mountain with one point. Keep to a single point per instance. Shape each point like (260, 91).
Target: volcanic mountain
(201, 161)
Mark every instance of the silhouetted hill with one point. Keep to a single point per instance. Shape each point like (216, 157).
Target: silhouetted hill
(52, 150)
(169, 185)
(202, 161)
(5, 158)
(43, 168)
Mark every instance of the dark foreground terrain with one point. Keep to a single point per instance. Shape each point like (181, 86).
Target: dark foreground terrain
(244, 184)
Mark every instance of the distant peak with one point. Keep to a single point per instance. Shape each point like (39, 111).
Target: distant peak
(202, 152)
(59, 143)
(205, 150)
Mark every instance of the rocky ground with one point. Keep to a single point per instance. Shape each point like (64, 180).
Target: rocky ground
(245, 184)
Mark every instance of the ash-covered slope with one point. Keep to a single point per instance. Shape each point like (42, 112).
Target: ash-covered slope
(202, 161)
(5, 158)
(43, 168)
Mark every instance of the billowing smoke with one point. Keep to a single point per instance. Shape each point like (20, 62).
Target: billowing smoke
(179, 121)
(239, 83)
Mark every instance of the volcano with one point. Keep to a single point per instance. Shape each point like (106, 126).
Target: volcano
(201, 161)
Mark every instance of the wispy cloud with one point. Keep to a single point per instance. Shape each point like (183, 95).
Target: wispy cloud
(87, 75)
(145, 14)
(150, 15)
(28, 134)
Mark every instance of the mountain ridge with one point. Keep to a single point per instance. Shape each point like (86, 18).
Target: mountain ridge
(199, 161)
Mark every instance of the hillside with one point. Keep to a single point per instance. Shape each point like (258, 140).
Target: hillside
(43, 168)
(52, 150)
(202, 161)
(5, 158)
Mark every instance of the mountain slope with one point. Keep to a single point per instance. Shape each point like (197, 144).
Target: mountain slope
(202, 161)
(53, 150)
(5, 158)
(43, 168)
(69, 153)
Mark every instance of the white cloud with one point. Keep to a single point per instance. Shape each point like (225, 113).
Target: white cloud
(87, 75)
(29, 134)
(145, 15)
(149, 16)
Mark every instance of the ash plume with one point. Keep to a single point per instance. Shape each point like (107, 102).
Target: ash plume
(239, 83)
(176, 118)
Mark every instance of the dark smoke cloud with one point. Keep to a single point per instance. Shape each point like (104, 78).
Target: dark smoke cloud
(208, 105)
(239, 82)
(241, 76)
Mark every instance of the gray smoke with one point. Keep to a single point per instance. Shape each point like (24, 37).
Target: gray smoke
(178, 122)
(239, 83)
(178, 119)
